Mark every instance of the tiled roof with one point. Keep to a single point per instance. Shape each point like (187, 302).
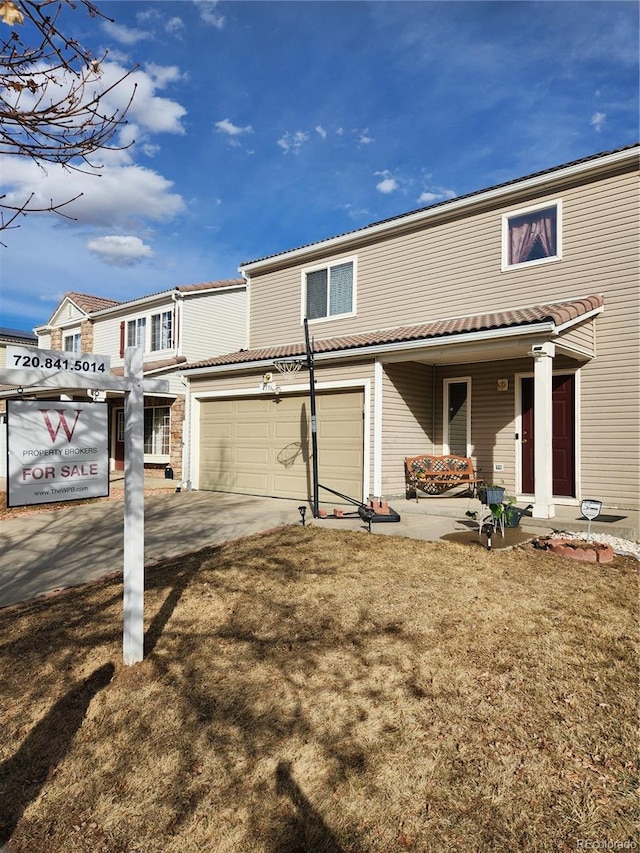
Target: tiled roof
(447, 201)
(557, 313)
(181, 288)
(211, 285)
(150, 366)
(89, 303)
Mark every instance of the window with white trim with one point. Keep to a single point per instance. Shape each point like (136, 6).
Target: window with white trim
(157, 430)
(73, 342)
(532, 236)
(136, 332)
(161, 331)
(329, 291)
(456, 431)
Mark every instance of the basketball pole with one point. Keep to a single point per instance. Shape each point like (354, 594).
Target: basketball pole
(314, 422)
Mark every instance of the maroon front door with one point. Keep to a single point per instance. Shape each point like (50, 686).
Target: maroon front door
(563, 435)
(118, 450)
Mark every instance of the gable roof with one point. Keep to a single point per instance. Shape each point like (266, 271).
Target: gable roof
(590, 162)
(88, 303)
(556, 313)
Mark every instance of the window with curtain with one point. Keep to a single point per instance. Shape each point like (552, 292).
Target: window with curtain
(329, 291)
(161, 331)
(136, 332)
(532, 236)
(157, 430)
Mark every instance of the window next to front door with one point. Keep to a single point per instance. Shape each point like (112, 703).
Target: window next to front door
(457, 417)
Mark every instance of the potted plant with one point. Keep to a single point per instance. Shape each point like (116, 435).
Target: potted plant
(491, 494)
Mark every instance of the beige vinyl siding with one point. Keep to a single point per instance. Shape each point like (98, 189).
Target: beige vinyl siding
(581, 338)
(214, 323)
(452, 268)
(106, 338)
(67, 313)
(44, 341)
(407, 421)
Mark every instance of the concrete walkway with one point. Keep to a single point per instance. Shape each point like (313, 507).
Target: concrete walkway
(44, 551)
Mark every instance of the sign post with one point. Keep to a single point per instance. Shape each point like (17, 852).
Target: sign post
(29, 368)
(590, 509)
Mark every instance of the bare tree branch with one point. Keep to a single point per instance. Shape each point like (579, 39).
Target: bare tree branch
(54, 104)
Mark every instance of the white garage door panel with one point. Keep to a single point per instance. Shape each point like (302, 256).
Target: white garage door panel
(258, 446)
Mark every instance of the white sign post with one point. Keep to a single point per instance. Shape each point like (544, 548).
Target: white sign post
(87, 374)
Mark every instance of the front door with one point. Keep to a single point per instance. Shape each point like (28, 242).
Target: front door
(118, 450)
(563, 436)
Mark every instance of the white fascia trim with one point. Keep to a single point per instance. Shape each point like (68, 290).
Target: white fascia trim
(454, 205)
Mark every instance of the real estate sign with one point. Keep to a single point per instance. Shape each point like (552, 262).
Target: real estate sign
(56, 451)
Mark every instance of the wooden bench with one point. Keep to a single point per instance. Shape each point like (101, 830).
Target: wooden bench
(434, 475)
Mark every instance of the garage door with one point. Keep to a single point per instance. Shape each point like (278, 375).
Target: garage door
(263, 447)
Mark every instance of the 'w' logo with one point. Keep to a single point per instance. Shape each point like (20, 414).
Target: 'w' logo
(62, 423)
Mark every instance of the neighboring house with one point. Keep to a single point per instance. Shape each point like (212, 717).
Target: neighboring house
(501, 325)
(9, 337)
(171, 327)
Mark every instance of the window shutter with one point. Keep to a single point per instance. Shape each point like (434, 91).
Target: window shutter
(122, 339)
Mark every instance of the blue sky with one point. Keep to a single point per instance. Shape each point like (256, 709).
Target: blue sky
(262, 126)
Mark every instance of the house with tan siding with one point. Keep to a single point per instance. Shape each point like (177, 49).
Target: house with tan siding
(501, 325)
(171, 327)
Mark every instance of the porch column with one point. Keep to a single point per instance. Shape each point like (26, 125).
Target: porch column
(543, 354)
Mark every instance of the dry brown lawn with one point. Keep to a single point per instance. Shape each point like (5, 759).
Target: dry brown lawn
(320, 690)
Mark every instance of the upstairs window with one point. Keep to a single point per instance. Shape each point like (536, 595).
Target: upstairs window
(329, 291)
(72, 342)
(136, 332)
(161, 331)
(531, 236)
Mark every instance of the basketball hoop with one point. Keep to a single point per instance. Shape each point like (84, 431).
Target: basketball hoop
(288, 366)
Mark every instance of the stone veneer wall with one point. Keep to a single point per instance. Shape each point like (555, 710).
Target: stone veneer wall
(177, 436)
(86, 336)
(56, 339)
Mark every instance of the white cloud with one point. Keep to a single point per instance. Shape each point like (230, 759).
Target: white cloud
(175, 26)
(321, 131)
(208, 13)
(363, 136)
(430, 196)
(293, 142)
(119, 250)
(597, 120)
(387, 185)
(114, 197)
(231, 129)
(125, 35)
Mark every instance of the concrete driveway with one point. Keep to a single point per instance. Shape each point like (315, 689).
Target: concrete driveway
(46, 551)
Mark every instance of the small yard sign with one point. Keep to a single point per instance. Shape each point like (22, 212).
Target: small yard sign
(590, 509)
(57, 451)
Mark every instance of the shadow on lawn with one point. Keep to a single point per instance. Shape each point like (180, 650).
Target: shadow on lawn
(309, 831)
(23, 776)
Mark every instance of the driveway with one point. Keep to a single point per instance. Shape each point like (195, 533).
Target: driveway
(45, 551)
